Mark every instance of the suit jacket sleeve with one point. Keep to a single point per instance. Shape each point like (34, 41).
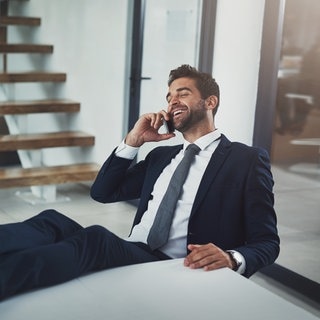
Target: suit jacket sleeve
(261, 246)
(117, 180)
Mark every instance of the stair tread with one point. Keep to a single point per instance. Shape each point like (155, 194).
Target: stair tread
(45, 140)
(32, 76)
(23, 177)
(38, 106)
(17, 20)
(25, 48)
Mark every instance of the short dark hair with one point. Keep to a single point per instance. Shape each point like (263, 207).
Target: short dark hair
(204, 81)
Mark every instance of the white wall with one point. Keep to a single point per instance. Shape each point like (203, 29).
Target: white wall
(236, 65)
(90, 41)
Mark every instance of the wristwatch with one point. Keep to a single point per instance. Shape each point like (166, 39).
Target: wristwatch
(236, 258)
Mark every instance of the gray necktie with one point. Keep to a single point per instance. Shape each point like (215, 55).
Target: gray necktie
(159, 232)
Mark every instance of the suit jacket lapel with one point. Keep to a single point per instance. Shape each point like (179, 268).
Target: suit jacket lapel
(158, 167)
(216, 161)
(170, 153)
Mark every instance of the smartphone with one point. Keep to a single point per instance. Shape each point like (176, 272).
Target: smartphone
(168, 126)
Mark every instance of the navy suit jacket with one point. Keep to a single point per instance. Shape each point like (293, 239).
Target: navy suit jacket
(233, 208)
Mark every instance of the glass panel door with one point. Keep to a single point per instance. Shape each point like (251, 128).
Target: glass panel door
(296, 139)
(171, 38)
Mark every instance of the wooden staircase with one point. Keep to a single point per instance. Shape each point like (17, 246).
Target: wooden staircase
(25, 48)
(37, 175)
(16, 77)
(38, 106)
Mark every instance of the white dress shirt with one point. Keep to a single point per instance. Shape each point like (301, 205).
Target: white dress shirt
(176, 245)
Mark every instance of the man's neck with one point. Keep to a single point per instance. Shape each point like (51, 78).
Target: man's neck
(196, 134)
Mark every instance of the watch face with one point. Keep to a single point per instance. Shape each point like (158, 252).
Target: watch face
(236, 259)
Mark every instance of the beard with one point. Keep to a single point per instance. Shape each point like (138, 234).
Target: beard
(194, 118)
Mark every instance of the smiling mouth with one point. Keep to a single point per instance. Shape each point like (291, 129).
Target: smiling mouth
(177, 112)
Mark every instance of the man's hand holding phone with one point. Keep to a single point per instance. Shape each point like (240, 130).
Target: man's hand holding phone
(147, 128)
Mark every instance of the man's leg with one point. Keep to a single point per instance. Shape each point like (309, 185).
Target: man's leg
(90, 249)
(49, 226)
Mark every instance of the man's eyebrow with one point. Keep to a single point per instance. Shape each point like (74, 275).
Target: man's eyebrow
(178, 90)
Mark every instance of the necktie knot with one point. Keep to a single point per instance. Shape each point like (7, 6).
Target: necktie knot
(193, 149)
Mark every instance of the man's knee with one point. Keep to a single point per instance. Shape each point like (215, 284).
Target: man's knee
(98, 231)
(54, 223)
(48, 214)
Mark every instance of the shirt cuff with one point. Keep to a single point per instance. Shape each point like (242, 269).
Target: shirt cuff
(242, 267)
(125, 151)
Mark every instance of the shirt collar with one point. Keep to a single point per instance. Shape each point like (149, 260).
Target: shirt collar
(204, 141)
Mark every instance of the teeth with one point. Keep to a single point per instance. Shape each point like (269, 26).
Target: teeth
(177, 112)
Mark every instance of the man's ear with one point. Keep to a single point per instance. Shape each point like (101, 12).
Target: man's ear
(211, 102)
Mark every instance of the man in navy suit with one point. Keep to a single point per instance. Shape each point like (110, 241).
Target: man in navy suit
(224, 216)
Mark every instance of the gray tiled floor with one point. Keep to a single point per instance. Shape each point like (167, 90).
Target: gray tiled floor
(297, 204)
(116, 216)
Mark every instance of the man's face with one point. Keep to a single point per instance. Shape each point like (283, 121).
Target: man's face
(185, 105)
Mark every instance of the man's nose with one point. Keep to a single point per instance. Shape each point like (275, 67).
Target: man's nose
(173, 101)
